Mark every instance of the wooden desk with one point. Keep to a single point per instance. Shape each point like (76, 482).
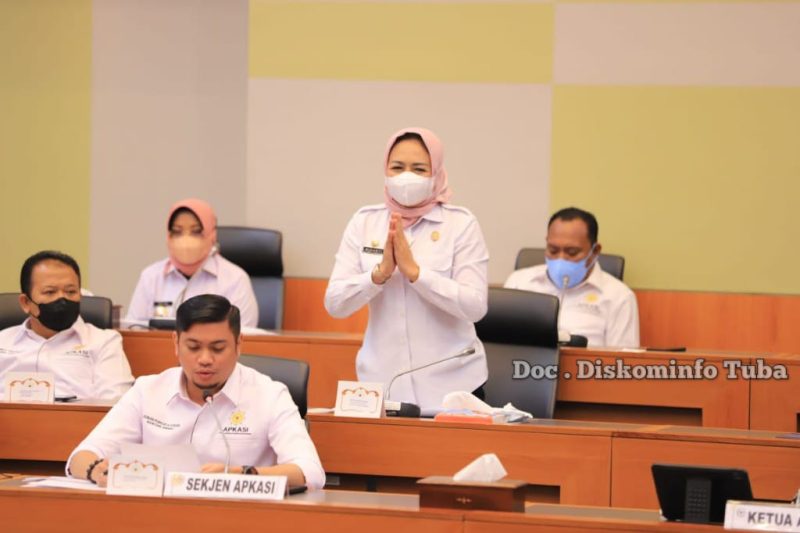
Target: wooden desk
(574, 457)
(64, 510)
(331, 356)
(772, 463)
(570, 459)
(718, 402)
(775, 404)
(546, 518)
(29, 509)
(46, 432)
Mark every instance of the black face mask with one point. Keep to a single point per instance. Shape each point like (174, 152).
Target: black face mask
(59, 314)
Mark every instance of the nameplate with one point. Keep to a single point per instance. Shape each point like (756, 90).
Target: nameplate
(359, 399)
(755, 516)
(30, 387)
(135, 476)
(225, 486)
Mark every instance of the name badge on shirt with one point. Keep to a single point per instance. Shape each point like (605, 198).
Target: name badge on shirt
(226, 486)
(359, 399)
(135, 476)
(30, 387)
(372, 250)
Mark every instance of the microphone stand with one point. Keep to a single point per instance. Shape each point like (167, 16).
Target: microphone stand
(410, 410)
(208, 397)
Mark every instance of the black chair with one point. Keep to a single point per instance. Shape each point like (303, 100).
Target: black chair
(95, 310)
(258, 252)
(613, 264)
(290, 372)
(520, 334)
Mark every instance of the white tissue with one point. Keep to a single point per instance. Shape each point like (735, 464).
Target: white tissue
(466, 400)
(486, 468)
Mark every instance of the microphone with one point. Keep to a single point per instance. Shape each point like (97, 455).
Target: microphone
(409, 409)
(208, 397)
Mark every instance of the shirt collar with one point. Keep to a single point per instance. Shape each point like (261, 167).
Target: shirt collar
(78, 328)
(231, 390)
(210, 265)
(434, 215)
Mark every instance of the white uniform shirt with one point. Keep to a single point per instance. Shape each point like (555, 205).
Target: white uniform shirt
(258, 417)
(162, 283)
(88, 362)
(412, 324)
(601, 308)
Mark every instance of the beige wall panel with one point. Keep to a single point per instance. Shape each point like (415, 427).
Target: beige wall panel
(168, 122)
(315, 156)
(750, 44)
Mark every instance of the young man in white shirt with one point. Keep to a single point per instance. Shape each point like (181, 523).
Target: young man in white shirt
(594, 303)
(87, 362)
(260, 422)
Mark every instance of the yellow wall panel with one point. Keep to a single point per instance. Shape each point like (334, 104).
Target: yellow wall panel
(426, 41)
(697, 187)
(45, 77)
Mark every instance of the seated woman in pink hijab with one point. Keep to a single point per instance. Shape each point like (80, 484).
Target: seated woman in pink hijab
(192, 268)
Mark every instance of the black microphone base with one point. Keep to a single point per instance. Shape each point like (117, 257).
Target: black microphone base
(403, 409)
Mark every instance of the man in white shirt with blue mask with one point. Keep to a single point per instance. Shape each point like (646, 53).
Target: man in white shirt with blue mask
(594, 304)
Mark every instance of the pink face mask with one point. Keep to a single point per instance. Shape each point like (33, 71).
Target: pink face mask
(188, 249)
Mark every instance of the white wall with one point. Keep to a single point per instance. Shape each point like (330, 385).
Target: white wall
(169, 97)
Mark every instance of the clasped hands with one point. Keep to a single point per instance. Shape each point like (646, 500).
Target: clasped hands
(396, 254)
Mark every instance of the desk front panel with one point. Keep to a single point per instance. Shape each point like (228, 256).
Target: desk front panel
(70, 511)
(576, 460)
(717, 402)
(775, 404)
(773, 464)
(45, 432)
(576, 519)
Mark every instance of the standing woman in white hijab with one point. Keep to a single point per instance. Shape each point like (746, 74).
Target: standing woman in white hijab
(420, 264)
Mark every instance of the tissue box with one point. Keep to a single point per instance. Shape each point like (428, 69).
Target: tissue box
(443, 492)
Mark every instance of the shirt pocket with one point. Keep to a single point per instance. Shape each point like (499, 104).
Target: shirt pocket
(246, 449)
(436, 258)
(73, 366)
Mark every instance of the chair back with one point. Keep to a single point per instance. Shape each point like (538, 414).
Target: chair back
(613, 264)
(259, 253)
(291, 372)
(95, 310)
(520, 334)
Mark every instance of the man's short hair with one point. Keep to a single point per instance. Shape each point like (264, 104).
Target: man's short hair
(46, 255)
(207, 309)
(571, 213)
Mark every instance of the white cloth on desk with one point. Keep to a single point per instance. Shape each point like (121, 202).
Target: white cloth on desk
(88, 362)
(601, 308)
(412, 324)
(162, 282)
(260, 421)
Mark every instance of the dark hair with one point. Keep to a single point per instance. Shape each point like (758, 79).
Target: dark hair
(35, 259)
(180, 210)
(207, 309)
(410, 136)
(571, 213)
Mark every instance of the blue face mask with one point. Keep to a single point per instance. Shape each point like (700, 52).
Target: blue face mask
(567, 274)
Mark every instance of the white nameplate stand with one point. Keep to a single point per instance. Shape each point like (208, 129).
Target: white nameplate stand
(762, 516)
(359, 399)
(132, 476)
(225, 486)
(30, 387)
